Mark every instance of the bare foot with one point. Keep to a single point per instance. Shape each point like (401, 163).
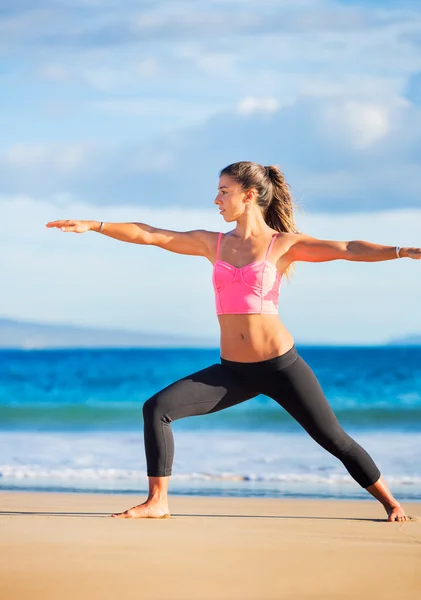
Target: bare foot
(396, 513)
(147, 510)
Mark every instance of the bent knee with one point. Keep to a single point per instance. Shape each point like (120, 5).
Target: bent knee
(153, 407)
(157, 407)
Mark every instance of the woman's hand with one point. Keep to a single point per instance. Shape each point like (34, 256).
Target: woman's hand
(412, 253)
(70, 225)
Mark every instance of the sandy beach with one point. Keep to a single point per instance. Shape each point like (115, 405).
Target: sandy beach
(62, 546)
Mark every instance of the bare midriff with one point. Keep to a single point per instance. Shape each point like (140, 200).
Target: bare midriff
(252, 338)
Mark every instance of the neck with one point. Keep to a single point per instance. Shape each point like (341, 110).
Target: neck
(251, 226)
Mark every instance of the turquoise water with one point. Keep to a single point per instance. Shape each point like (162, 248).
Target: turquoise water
(72, 419)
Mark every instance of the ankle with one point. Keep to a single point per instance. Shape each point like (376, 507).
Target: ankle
(157, 498)
(393, 504)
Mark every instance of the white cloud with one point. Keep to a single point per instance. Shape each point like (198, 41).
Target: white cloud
(197, 22)
(318, 82)
(145, 21)
(217, 64)
(155, 107)
(340, 155)
(361, 123)
(102, 78)
(249, 106)
(25, 155)
(64, 158)
(148, 67)
(72, 157)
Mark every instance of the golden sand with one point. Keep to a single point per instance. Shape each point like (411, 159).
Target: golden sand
(67, 546)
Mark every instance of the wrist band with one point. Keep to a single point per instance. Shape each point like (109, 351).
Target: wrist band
(398, 249)
(101, 227)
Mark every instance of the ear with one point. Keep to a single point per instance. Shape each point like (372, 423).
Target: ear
(250, 194)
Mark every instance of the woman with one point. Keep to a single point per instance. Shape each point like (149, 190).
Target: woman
(258, 354)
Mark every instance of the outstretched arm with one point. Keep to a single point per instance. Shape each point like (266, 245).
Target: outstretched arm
(308, 249)
(197, 242)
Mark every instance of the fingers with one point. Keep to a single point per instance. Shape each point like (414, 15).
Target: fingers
(66, 225)
(58, 224)
(415, 253)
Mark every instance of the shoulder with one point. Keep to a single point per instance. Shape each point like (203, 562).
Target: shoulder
(210, 241)
(206, 236)
(285, 240)
(284, 243)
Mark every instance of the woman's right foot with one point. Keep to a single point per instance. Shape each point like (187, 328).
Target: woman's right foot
(147, 510)
(395, 512)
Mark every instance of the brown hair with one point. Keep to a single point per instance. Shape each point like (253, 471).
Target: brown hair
(273, 195)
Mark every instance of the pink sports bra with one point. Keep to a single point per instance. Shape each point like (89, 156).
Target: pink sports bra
(252, 289)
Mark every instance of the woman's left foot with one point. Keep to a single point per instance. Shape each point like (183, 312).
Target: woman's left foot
(396, 513)
(147, 510)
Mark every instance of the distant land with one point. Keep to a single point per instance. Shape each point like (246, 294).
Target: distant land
(27, 335)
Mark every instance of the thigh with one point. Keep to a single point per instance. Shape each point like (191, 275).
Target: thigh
(206, 391)
(297, 389)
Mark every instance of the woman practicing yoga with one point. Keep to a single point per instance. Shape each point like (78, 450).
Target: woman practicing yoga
(258, 354)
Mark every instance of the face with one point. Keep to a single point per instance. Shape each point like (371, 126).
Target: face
(231, 198)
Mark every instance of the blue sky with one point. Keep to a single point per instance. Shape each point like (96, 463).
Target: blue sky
(126, 111)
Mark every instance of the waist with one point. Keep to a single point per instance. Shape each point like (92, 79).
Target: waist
(270, 365)
(248, 338)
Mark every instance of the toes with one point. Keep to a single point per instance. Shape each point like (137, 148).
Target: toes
(397, 518)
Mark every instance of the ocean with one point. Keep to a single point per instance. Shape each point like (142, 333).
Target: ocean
(71, 420)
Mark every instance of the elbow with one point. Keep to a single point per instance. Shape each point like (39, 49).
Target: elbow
(352, 251)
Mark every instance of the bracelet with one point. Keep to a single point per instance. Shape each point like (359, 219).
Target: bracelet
(398, 249)
(101, 227)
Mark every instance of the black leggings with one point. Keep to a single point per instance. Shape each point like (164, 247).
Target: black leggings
(287, 379)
